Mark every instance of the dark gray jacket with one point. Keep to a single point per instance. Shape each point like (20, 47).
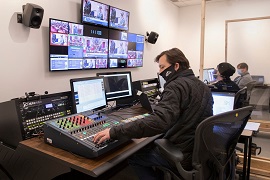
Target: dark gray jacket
(184, 103)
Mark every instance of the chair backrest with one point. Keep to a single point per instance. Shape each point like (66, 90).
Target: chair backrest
(250, 86)
(240, 97)
(215, 141)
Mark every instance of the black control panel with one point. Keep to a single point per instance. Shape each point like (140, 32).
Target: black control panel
(23, 118)
(35, 112)
(147, 86)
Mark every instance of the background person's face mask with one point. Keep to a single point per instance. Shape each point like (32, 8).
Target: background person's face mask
(168, 73)
(239, 71)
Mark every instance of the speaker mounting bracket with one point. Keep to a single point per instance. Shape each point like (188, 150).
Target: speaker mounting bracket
(19, 17)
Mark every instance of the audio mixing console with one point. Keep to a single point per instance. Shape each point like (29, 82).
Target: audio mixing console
(75, 133)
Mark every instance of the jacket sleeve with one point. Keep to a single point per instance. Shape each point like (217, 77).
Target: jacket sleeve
(243, 82)
(165, 115)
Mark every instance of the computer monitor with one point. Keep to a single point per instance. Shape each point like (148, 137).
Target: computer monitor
(259, 80)
(117, 84)
(88, 94)
(223, 102)
(208, 75)
(94, 12)
(119, 19)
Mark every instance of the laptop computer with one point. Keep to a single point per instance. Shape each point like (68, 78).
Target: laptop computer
(259, 80)
(223, 102)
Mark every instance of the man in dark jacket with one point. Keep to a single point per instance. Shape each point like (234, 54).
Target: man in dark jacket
(184, 103)
(224, 72)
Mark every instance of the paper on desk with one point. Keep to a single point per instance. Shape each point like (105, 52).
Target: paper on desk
(252, 126)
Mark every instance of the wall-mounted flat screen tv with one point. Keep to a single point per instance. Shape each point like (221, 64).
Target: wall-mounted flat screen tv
(118, 49)
(93, 12)
(118, 19)
(76, 46)
(135, 50)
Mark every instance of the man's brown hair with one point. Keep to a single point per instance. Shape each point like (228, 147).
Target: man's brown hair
(175, 55)
(242, 66)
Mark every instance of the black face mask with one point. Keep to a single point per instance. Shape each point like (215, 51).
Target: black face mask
(168, 73)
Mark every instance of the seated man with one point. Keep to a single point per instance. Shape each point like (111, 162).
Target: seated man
(244, 77)
(185, 102)
(224, 72)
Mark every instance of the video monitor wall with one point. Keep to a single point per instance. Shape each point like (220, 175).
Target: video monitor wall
(77, 46)
(119, 19)
(94, 12)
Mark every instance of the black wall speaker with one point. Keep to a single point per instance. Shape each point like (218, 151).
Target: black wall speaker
(152, 37)
(32, 15)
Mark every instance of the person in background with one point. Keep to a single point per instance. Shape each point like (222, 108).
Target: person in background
(244, 78)
(100, 14)
(113, 16)
(122, 19)
(121, 49)
(224, 72)
(185, 102)
(87, 7)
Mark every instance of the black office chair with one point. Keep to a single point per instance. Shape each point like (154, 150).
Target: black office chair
(250, 87)
(240, 97)
(214, 147)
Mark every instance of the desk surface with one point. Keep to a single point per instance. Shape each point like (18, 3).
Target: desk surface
(93, 167)
(246, 133)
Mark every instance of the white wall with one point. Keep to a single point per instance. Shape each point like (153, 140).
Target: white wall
(24, 52)
(216, 14)
(249, 41)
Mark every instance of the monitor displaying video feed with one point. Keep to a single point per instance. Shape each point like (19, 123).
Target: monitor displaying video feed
(75, 46)
(88, 94)
(118, 49)
(208, 75)
(118, 19)
(135, 50)
(117, 84)
(95, 13)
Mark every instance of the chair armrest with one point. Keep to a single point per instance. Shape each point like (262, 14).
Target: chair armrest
(169, 150)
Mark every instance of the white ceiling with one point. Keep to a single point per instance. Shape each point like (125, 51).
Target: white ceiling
(182, 3)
